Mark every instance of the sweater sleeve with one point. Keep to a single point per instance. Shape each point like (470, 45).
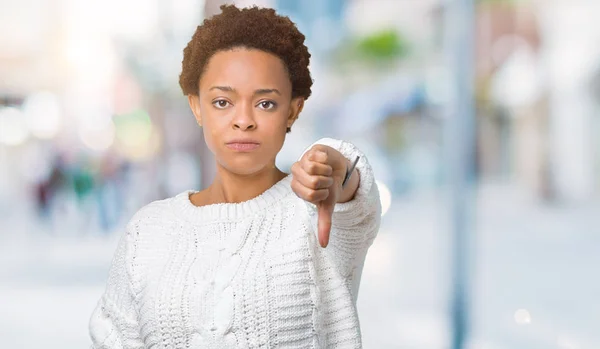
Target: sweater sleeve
(114, 321)
(354, 223)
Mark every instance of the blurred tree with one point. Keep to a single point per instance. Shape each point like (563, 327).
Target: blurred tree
(383, 46)
(386, 44)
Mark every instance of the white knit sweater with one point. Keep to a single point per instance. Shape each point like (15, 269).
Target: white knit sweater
(239, 275)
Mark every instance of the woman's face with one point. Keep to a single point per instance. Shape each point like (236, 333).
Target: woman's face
(244, 107)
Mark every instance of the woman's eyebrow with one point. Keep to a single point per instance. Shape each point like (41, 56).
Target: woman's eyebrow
(223, 88)
(265, 91)
(260, 91)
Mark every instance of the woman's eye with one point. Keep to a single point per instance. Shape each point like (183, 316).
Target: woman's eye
(221, 104)
(266, 105)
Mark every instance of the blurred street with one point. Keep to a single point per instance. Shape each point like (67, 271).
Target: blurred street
(94, 125)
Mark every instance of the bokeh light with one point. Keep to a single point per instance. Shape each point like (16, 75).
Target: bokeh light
(522, 317)
(43, 113)
(385, 195)
(13, 128)
(98, 137)
(136, 136)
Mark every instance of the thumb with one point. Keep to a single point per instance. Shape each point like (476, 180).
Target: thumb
(325, 208)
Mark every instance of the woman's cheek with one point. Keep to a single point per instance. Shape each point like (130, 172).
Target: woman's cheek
(209, 138)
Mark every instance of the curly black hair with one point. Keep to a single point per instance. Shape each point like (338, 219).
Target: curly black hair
(255, 28)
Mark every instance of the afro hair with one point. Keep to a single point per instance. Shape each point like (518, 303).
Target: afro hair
(254, 28)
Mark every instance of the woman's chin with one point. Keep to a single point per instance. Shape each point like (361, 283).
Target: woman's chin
(244, 167)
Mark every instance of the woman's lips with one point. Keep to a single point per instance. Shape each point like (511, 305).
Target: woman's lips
(242, 146)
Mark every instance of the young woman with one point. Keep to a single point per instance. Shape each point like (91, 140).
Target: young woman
(260, 258)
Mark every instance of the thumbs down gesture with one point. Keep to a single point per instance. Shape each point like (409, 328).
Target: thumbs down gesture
(317, 178)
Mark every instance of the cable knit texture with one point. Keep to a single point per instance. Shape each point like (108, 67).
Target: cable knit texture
(239, 275)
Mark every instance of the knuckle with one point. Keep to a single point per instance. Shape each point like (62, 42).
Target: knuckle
(317, 195)
(329, 181)
(314, 182)
(300, 192)
(296, 171)
(296, 187)
(314, 167)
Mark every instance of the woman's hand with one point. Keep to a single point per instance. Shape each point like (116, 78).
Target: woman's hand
(317, 178)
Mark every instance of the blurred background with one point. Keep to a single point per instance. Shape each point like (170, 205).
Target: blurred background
(93, 126)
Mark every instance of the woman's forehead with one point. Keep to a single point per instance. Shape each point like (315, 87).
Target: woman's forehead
(246, 70)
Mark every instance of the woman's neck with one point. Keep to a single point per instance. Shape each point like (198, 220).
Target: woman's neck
(229, 187)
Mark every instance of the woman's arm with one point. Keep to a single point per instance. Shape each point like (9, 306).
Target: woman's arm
(114, 322)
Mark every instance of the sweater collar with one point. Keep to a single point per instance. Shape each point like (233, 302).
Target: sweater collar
(183, 207)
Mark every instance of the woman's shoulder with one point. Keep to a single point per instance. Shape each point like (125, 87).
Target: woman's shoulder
(157, 213)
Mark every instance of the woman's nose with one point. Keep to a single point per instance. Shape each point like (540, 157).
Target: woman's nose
(244, 119)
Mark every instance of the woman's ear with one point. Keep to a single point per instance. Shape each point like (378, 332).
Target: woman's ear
(194, 102)
(296, 107)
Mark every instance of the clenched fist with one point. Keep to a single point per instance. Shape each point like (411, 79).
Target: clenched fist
(317, 178)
